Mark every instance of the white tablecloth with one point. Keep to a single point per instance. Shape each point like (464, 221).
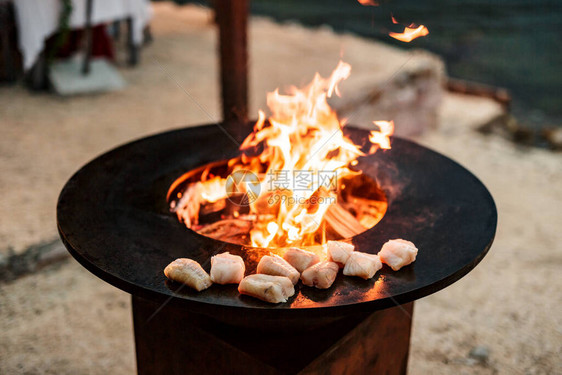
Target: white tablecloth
(39, 19)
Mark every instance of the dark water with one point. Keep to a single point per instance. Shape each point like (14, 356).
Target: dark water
(514, 44)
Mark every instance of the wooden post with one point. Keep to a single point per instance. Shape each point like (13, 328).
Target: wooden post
(89, 35)
(232, 19)
(133, 49)
(170, 340)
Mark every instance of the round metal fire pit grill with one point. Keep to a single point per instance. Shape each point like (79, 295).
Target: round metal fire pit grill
(114, 219)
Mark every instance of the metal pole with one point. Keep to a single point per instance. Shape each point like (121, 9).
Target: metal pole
(232, 19)
(88, 31)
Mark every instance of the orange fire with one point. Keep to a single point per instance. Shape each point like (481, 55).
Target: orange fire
(381, 138)
(303, 134)
(368, 3)
(410, 32)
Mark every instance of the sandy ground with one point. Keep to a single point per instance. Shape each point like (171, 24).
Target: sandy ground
(64, 320)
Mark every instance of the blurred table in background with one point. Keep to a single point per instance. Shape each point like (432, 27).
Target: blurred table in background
(38, 19)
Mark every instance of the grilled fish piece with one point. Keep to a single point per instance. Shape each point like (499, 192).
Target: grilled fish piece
(321, 275)
(362, 264)
(268, 288)
(398, 253)
(227, 268)
(339, 252)
(300, 259)
(276, 266)
(188, 272)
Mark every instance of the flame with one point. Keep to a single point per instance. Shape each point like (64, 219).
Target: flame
(212, 190)
(368, 3)
(303, 134)
(410, 32)
(381, 138)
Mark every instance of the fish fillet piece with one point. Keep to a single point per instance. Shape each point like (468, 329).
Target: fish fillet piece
(227, 268)
(300, 259)
(188, 272)
(339, 252)
(362, 265)
(398, 253)
(268, 288)
(321, 275)
(276, 266)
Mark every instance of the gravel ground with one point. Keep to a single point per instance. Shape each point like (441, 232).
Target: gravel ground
(64, 320)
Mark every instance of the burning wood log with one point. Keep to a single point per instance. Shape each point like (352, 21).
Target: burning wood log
(187, 208)
(367, 211)
(342, 221)
(213, 207)
(228, 229)
(200, 197)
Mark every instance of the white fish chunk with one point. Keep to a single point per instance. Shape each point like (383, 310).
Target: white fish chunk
(268, 288)
(398, 253)
(276, 266)
(321, 275)
(188, 272)
(362, 265)
(339, 252)
(227, 268)
(300, 259)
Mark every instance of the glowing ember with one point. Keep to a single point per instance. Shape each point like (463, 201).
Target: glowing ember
(368, 3)
(410, 32)
(290, 173)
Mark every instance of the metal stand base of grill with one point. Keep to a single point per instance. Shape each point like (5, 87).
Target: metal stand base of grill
(171, 340)
(114, 218)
